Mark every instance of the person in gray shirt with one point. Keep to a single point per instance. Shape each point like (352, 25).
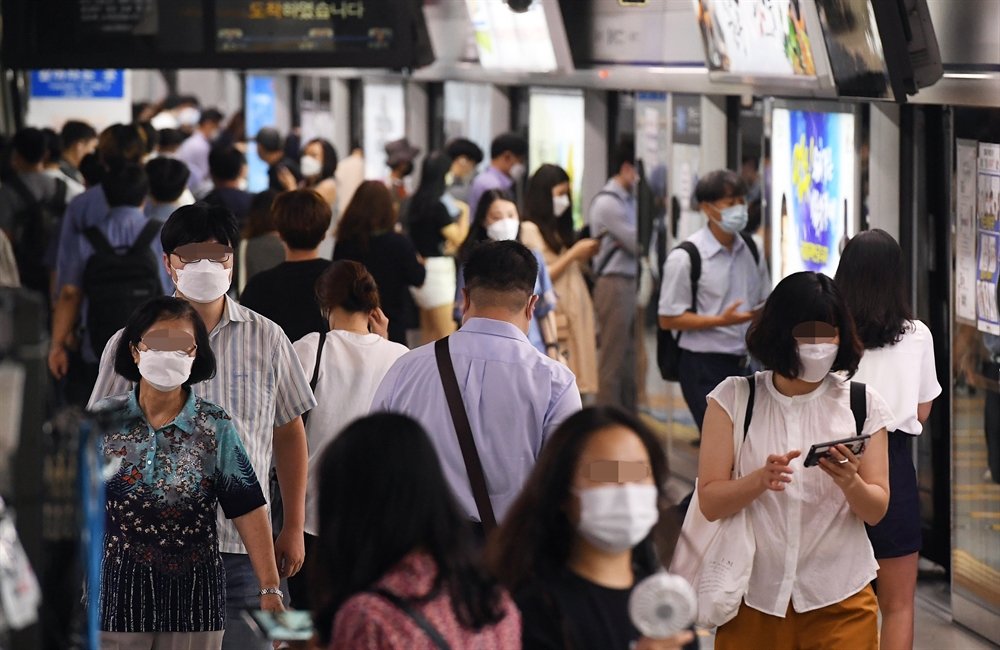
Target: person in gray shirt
(613, 222)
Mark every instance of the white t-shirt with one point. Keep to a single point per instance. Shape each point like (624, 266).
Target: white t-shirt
(904, 374)
(811, 548)
(350, 372)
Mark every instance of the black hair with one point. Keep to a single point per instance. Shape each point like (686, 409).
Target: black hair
(477, 228)
(511, 142)
(802, 297)
(329, 157)
(464, 147)
(167, 179)
(750, 159)
(53, 146)
(210, 115)
(125, 184)
(92, 169)
(720, 184)
(152, 136)
(198, 223)
(754, 215)
(501, 268)
(302, 218)
(30, 145)
(624, 153)
(432, 186)
(386, 464)
(171, 138)
(226, 163)
(152, 312)
(75, 131)
(872, 278)
(556, 229)
(535, 539)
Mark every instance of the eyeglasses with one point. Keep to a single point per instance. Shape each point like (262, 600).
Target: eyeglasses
(167, 340)
(193, 253)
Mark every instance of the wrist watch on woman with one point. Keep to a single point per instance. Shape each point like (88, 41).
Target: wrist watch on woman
(272, 591)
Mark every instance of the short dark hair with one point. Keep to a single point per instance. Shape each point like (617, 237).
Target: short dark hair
(506, 271)
(210, 115)
(464, 147)
(192, 224)
(720, 184)
(92, 169)
(754, 216)
(125, 184)
(29, 143)
(167, 179)
(226, 163)
(624, 153)
(802, 297)
(872, 278)
(75, 131)
(347, 285)
(53, 146)
(302, 218)
(122, 142)
(511, 142)
(171, 137)
(155, 311)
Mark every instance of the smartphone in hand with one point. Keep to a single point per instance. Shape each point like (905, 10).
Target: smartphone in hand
(857, 445)
(289, 625)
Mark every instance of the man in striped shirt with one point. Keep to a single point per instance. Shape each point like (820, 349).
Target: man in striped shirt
(259, 382)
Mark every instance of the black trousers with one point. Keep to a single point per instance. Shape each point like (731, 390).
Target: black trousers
(701, 372)
(298, 587)
(991, 421)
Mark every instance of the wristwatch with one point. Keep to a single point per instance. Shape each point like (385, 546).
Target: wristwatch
(276, 592)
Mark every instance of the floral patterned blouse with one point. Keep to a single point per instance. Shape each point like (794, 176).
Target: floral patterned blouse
(161, 570)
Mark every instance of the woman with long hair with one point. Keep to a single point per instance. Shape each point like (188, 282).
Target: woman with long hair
(318, 164)
(580, 536)
(437, 224)
(813, 563)
(547, 227)
(899, 364)
(392, 538)
(260, 246)
(367, 234)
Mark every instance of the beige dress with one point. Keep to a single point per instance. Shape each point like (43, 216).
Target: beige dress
(574, 313)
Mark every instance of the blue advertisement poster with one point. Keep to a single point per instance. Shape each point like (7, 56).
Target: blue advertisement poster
(812, 192)
(77, 84)
(989, 239)
(260, 103)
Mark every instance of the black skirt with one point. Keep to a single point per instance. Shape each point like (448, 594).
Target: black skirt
(898, 534)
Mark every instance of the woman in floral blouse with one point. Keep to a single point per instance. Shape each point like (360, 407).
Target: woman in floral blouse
(177, 458)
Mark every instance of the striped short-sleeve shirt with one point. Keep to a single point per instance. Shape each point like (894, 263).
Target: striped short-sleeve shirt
(258, 381)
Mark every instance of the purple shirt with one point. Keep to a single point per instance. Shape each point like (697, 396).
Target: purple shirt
(490, 179)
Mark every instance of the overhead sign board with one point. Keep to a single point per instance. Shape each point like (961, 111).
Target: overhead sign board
(77, 84)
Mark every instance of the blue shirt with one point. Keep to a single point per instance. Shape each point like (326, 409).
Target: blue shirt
(515, 398)
(726, 276)
(616, 215)
(490, 179)
(159, 211)
(161, 570)
(120, 225)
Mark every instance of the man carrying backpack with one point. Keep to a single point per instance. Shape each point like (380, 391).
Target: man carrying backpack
(32, 204)
(712, 284)
(107, 267)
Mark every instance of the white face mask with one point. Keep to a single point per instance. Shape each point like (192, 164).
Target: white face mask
(243, 184)
(816, 359)
(517, 171)
(616, 518)
(503, 230)
(204, 281)
(560, 204)
(164, 370)
(310, 166)
(188, 116)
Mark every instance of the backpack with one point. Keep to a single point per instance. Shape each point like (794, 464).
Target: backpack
(34, 226)
(668, 351)
(116, 284)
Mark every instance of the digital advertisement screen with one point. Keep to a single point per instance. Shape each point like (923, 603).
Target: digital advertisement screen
(555, 136)
(855, 48)
(512, 41)
(813, 198)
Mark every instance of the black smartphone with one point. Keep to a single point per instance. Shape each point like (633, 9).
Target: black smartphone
(289, 625)
(856, 444)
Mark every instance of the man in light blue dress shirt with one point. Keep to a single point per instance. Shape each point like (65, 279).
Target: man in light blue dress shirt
(514, 395)
(507, 155)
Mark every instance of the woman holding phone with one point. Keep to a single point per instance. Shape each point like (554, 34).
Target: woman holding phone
(813, 561)
(899, 363)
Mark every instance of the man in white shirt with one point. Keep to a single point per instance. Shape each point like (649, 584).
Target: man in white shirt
(349, 175)
(194, 151)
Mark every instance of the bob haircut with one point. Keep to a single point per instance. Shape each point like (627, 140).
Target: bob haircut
(534, 541)
(802, 297)
(155, 311)
(871, 277)
(382, 495)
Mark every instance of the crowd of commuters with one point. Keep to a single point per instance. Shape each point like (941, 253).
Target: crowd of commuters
(249, 352)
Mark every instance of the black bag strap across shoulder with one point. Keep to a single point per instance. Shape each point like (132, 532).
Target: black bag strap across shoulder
(752, 382)
(415, 616)
(473, 465)
(146, 235)
(315, 376)
(859, 405)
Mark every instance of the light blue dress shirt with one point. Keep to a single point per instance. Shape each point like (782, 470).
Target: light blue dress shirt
(515, 398)
(616, 215)
(726, 276)
(491, 178)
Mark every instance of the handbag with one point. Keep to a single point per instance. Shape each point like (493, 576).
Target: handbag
(716, 557)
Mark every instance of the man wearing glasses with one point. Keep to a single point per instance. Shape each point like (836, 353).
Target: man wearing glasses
(260, 384)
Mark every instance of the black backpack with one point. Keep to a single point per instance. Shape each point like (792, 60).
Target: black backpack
(668, 351)
(34, 226)
(116, 284)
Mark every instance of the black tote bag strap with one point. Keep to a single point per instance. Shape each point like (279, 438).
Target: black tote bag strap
(315, 376)
(859, 405)
(416, 616)
(463, 429)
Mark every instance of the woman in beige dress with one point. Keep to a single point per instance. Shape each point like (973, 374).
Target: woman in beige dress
(547, 227)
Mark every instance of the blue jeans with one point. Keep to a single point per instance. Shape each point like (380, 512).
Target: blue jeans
(242, 592)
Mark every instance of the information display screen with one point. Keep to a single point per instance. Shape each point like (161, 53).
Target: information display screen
(214, 34)
(512, 41)
(855, 48)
